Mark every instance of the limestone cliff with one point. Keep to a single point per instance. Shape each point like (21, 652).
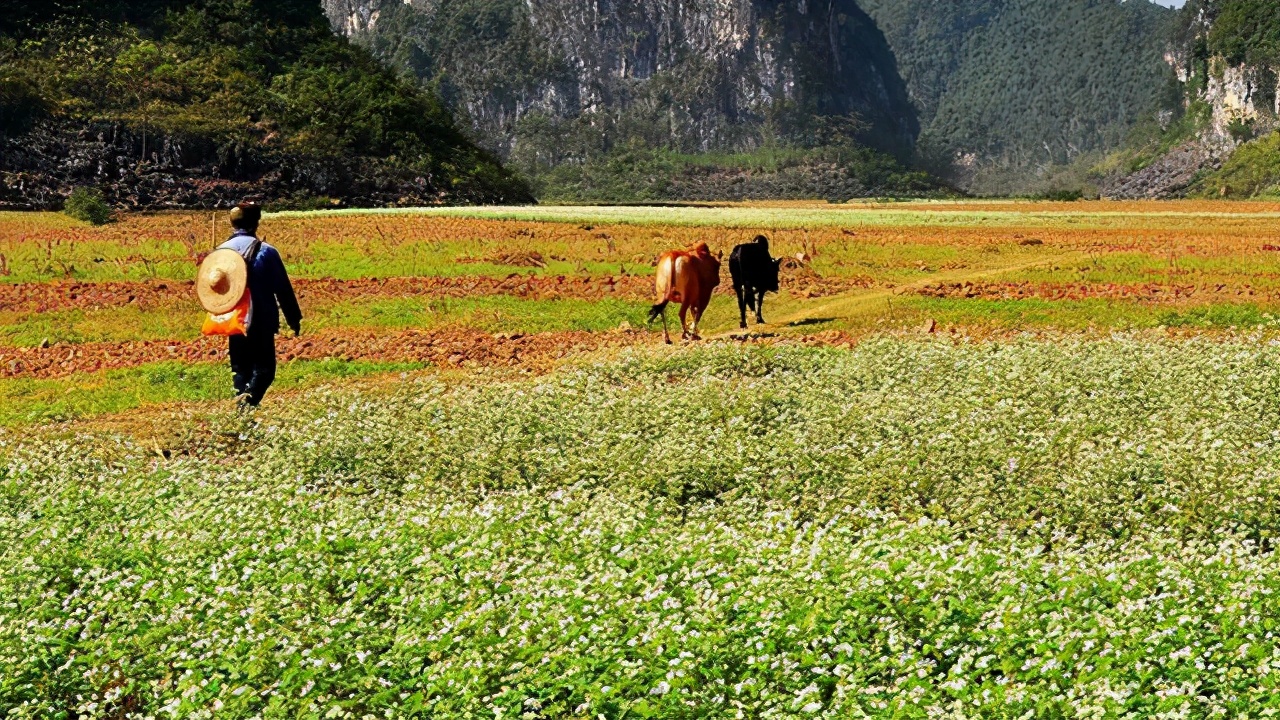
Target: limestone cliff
(549, 81)
(1222, 72)
(1227, 61)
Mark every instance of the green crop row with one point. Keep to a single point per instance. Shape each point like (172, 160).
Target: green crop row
(850, 215)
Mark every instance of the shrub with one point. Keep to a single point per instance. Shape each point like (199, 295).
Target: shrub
(87, 204)
(1062, 195)
(1253, 169)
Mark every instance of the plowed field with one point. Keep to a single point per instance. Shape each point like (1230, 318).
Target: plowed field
(449, 287)
(459, 347)
(64, 295)
(1139, 292)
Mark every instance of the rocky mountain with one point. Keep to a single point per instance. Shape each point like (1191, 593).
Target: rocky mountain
(1006, 89)
(545, 82)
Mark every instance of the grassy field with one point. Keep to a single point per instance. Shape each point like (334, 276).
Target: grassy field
(985, 460)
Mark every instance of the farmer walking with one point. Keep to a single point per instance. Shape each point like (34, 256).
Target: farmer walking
(250, 319)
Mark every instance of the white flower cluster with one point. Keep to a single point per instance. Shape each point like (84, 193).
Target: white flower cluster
(1034, 528)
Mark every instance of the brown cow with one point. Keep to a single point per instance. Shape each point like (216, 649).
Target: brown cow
(686, 277)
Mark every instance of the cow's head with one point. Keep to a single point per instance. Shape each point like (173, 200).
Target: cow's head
(770, 278)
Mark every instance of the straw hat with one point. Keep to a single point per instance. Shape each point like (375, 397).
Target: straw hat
(222, 280)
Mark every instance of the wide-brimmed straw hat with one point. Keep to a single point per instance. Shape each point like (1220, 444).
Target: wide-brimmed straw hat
(222, 280)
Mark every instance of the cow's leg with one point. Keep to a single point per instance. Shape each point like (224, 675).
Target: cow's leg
(742, 293)
(684, 325)
(760, 308)
(666, 334)
(697, 318)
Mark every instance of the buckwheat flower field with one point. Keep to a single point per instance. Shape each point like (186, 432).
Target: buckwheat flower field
(1061, 527)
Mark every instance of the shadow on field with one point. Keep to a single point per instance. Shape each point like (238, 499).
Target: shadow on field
(811, 321)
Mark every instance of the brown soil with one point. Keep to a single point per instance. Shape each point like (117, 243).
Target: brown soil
(518, 258)
(454, 347)
(1141, 292)
(55, 296)
(63, 295)
(804, 282)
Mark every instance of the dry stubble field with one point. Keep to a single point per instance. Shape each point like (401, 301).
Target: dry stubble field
(986, 459)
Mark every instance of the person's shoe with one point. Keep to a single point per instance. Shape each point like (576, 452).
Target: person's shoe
(244, 401)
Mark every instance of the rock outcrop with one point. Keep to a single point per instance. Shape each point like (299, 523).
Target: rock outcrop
(557, 80)
(39, 168)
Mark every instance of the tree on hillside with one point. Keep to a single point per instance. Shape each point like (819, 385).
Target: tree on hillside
(264, 85)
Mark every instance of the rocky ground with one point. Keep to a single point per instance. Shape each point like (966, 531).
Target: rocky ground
(1169, 176)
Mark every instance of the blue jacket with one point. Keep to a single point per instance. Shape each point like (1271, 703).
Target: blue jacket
(268, 283)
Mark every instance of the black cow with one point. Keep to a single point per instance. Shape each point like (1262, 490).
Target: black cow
(754, 273)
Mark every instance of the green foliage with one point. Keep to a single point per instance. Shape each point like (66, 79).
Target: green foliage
(89, 205)
(929, 44)
(1082, 314)
(1240, 129)
(1253, 169)
(20, 102)
(1246, 32)
(28, 401)
(264, 82)
(1061, 195)
(1034, 528)
(1023, 84)
(837, 174)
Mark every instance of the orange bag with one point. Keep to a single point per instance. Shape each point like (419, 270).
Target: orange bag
(234, 322)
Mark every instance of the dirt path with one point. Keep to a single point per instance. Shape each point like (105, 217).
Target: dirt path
(850, 304)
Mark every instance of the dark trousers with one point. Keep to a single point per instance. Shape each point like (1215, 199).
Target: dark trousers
(253, 364)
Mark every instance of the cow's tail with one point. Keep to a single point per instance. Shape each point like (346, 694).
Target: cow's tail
(656, 310)
(664, 281)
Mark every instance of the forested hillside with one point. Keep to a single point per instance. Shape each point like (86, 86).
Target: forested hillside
(1007, 88)
(661, 98)
(179, 103)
